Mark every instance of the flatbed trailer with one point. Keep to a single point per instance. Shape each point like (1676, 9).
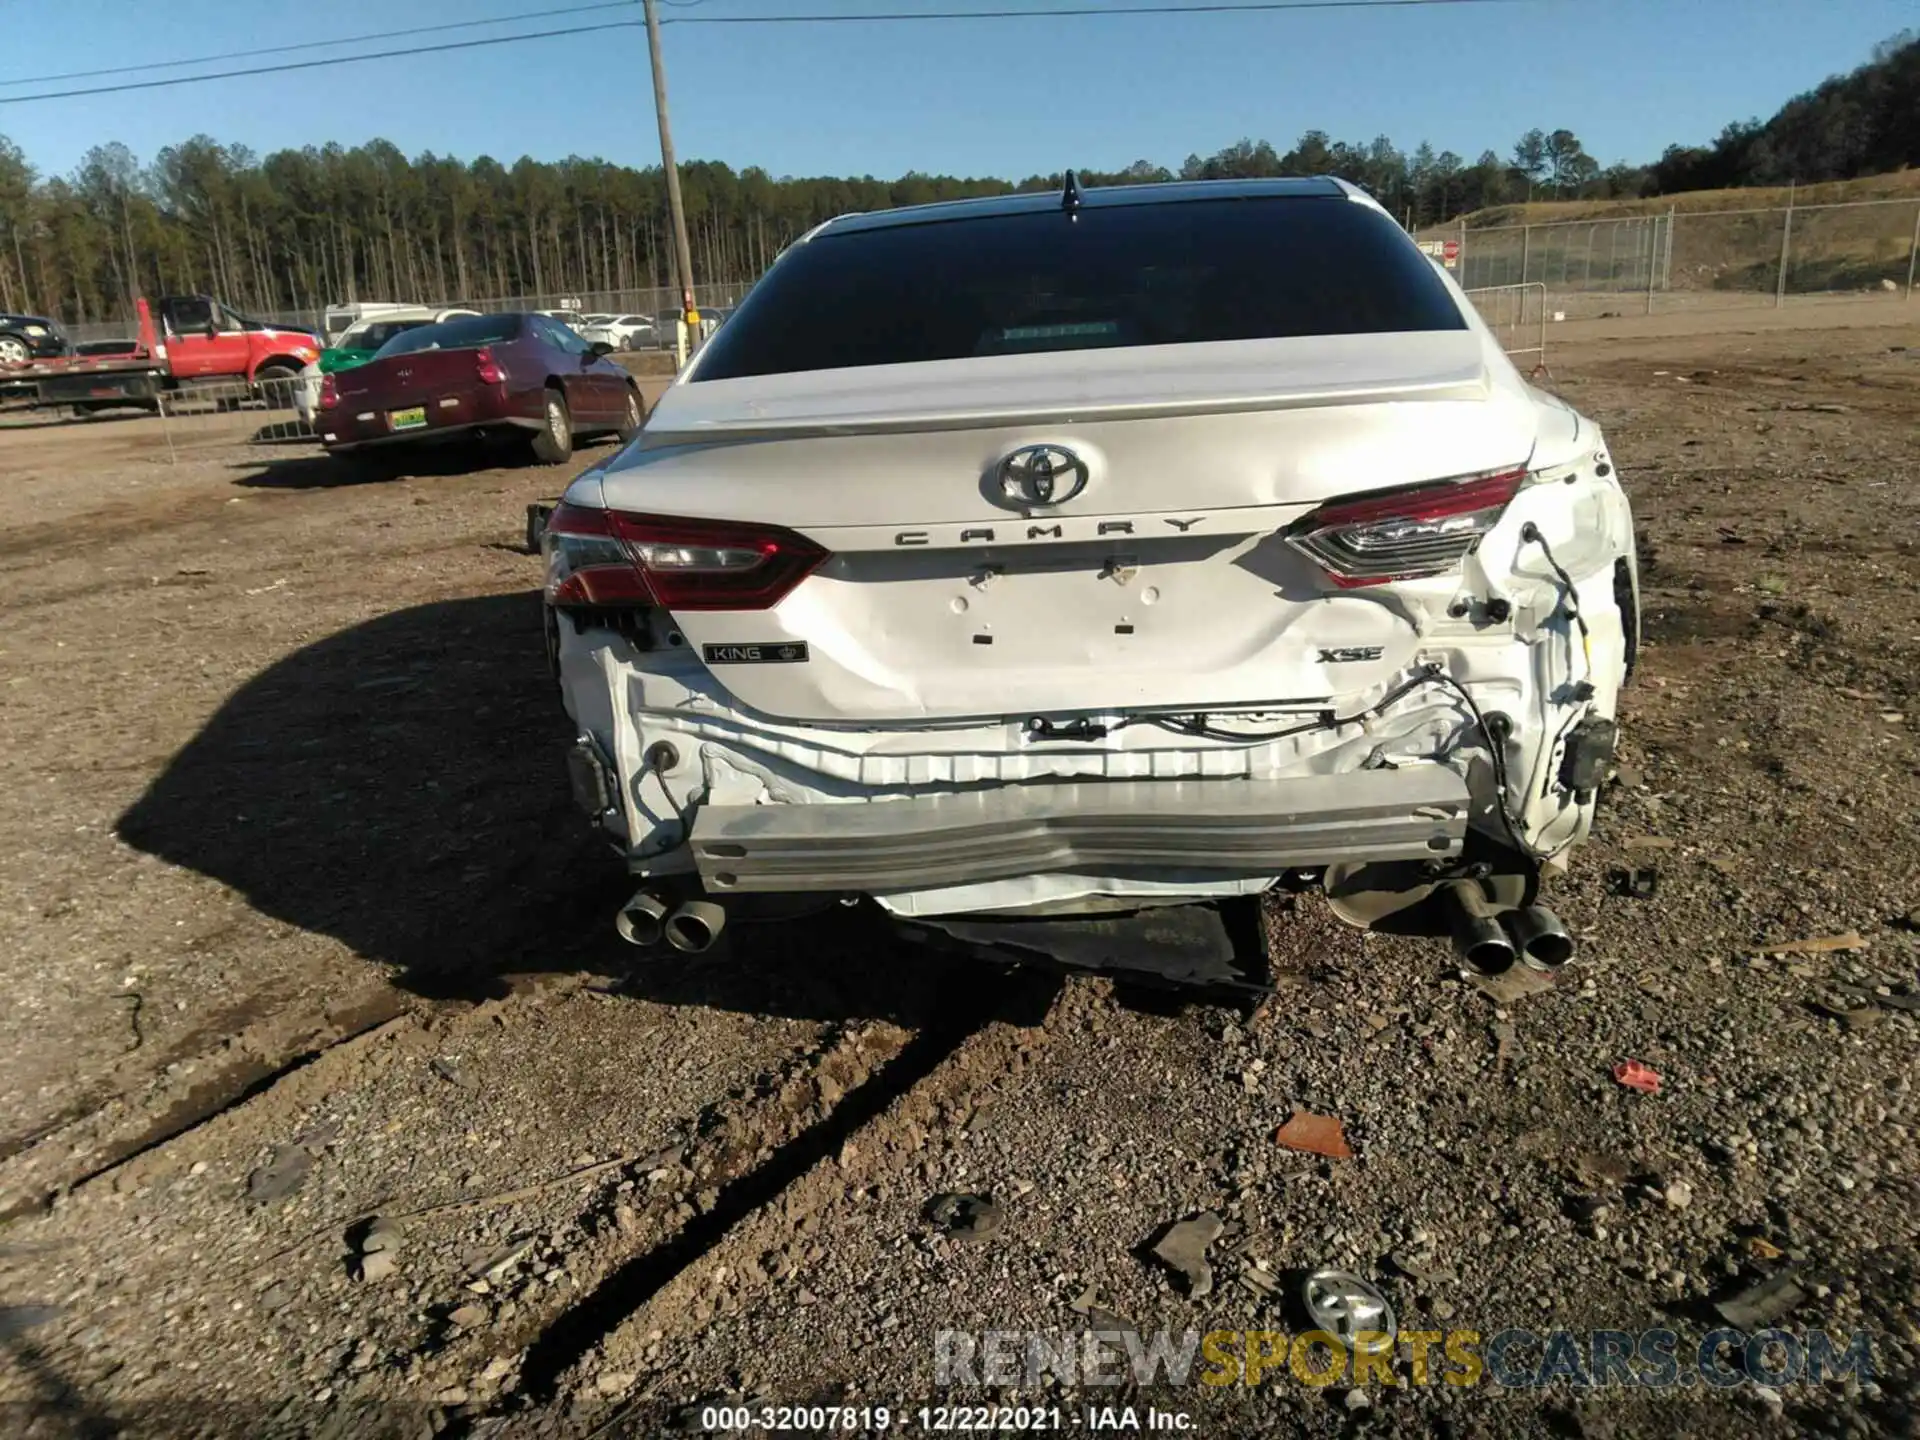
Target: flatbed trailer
(89, 382)
(195, 351)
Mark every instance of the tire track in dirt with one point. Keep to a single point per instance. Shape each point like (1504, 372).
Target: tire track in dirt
(112, 1129)
(971, 1035)
(745, 1130)
(941, 1083)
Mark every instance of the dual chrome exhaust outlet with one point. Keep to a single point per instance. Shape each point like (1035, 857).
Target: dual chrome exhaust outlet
(691, 928)
(1491, 940)
(1488, 939)
(1539, 936)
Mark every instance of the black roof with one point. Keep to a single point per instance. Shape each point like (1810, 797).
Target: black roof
(1315, 187)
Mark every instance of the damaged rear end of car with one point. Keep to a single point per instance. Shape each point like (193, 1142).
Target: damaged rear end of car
(1181, 545)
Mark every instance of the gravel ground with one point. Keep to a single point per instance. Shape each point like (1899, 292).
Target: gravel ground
(334, 1107)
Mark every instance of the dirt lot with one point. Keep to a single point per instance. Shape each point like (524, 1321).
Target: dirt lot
(304, 932)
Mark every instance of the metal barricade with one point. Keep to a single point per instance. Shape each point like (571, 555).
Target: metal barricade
(1517, 315)
(208, 414)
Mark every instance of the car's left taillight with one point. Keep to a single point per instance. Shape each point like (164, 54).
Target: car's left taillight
(613, 557)
(329, 392)
(1404, 534)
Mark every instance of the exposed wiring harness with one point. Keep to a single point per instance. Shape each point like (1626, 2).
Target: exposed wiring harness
(1041, 728)
(1198, 727)
(1494, 733)
(659, 757)
(1530, 532)
(1495, 737)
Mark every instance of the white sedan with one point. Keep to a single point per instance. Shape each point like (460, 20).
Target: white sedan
(622, 332)
(1183, 542)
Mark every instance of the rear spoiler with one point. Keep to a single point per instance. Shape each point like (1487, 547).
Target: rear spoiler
(696, 428)
(1072, 388)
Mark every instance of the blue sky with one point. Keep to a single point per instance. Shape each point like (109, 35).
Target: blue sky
(1010, 97)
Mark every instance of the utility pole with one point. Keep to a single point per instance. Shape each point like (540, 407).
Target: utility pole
(683, 254)
(1786, 248)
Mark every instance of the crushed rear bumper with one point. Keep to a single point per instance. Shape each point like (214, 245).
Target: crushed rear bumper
(1224, 827)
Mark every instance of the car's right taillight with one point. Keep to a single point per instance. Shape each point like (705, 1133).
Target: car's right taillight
(1404, 534)
(486, 367)
(329, 392)
(613, 557)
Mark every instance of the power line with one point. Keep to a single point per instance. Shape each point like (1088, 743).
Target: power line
(913, 16)
(443, 46)
(320, 44)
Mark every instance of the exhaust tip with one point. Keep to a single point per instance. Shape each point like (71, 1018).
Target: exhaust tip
(1549, 953)
(1488, 954)
(1478, 939)
(1540, 937)
(695, 926)
(641, 920)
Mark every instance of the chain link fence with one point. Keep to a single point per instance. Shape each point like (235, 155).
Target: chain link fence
(658, 303)
(1628, 265)
(1647, 264)
(1521, 278)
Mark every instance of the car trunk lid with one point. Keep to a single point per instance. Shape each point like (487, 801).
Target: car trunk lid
(1157, 579)
(410, 379)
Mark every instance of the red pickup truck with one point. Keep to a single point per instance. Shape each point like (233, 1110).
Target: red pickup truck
(199, 339)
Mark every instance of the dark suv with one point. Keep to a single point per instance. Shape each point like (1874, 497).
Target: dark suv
(30, 337)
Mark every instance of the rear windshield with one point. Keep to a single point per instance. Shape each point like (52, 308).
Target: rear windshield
(1153, 274)
(372, 337)
(455, 335)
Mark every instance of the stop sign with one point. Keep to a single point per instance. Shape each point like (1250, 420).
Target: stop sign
(1450, 250)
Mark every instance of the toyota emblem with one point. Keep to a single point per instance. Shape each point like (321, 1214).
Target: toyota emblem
(1042, 475)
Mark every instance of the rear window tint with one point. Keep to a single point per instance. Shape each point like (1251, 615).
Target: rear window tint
(455, 335)
(1123, 275)
(373, 336)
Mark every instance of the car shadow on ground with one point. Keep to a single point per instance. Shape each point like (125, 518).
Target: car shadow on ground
(401, 786)
(59, 419)
(312, 469)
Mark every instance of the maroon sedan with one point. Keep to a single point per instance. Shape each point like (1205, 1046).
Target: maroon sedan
(477, 374)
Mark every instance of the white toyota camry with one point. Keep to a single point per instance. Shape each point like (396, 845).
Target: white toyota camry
(1081, 552)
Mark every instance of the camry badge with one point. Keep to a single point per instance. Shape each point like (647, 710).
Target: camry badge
(1037, 475)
